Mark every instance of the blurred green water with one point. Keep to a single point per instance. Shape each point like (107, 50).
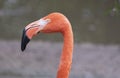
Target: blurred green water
(92, 20)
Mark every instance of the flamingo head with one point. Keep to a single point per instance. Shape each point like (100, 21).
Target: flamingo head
(33, 29)
(54, 22)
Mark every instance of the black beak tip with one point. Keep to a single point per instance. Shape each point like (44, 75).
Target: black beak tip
(22, 49)
(24, 40)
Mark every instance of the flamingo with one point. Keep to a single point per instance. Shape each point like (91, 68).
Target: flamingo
(53, 22)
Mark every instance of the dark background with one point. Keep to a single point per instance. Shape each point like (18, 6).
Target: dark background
(96, 21)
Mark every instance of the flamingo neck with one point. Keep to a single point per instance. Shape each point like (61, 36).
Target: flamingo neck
(66, 57)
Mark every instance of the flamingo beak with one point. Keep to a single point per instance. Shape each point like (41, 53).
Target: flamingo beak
(24, 41)
(31, 30)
